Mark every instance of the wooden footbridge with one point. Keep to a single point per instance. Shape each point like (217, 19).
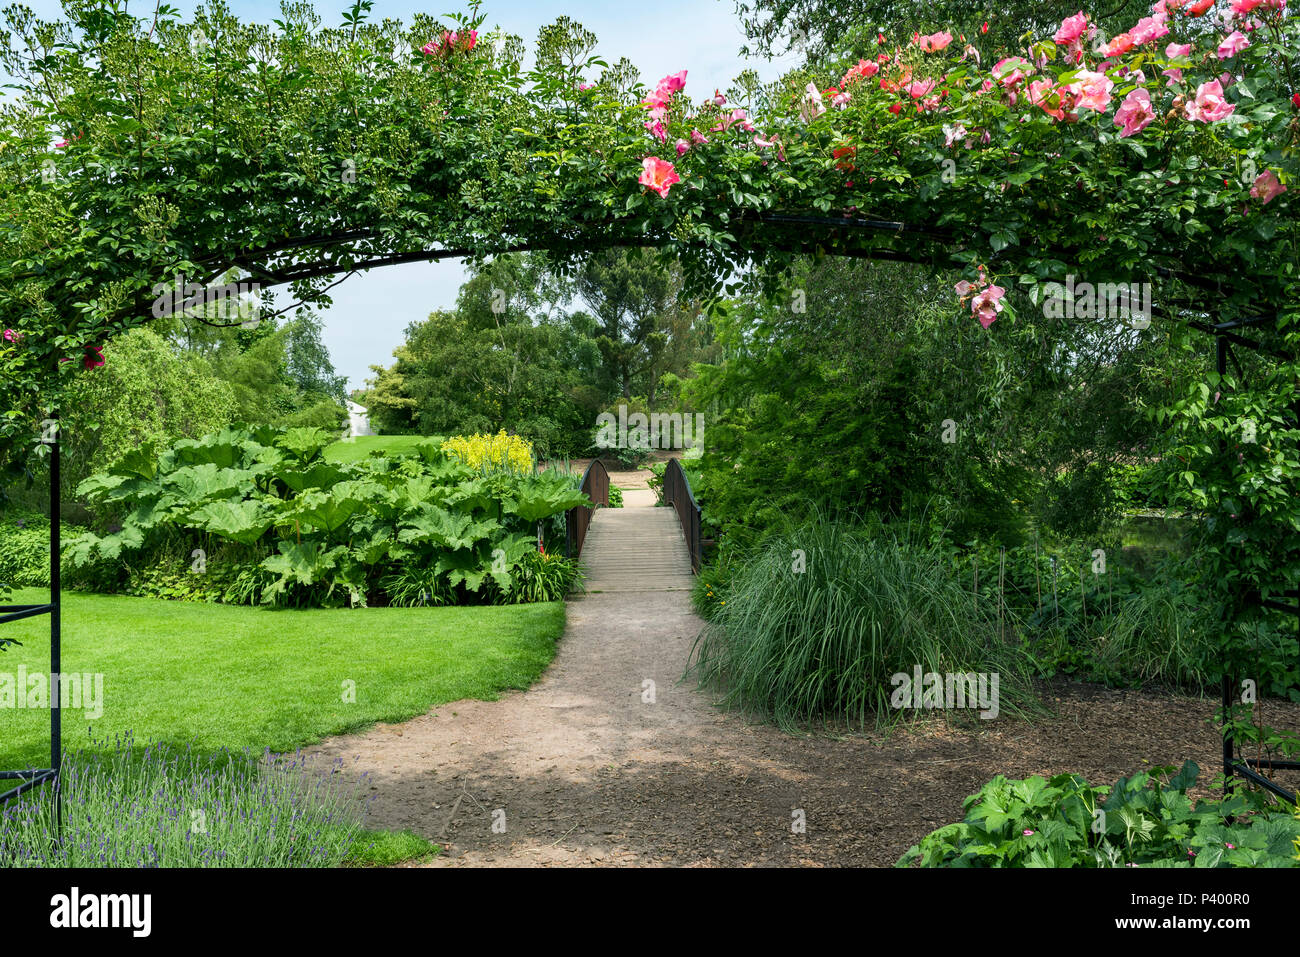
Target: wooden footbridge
(637, 549)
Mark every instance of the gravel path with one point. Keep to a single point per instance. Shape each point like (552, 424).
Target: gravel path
(580, 770)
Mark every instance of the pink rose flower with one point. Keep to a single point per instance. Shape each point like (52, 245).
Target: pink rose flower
(1119, 44)
(1094, 90)
(1148, 29)
(919, 88)
(1135, 113)
(1210, 106)
(1267, 187)
(673, 82)
(934, 42)
(682, 146)
(812, 106)
(1072, 28)
(658, 174)
(1232, 44)
(986, 305)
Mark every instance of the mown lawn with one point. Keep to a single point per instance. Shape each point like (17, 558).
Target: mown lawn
(228, 676)
(354, 450)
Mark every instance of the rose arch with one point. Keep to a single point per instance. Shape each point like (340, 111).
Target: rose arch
(141, 155)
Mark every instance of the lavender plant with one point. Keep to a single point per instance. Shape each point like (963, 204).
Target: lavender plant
(161, 806)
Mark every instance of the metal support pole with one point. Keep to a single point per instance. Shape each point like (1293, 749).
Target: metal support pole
(1229, 749)
(56, 630)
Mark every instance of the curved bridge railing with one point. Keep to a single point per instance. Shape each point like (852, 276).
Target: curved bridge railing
(595, 483)
(678, 495)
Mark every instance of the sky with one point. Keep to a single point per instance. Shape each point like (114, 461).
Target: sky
(704, 37)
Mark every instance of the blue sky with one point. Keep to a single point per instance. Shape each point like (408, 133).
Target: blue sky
(703, 37)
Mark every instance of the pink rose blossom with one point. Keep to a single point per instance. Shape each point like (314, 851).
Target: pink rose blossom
(1119, 44)
(673, 82)
(812, 106)
(1011, 70)
(1149, 29)
(658, 174)
(1177, 49)
(934, 42)
(919, 88)
(1094, 90)
(1232, 44)
(1267, 187)
(682, 146)
(1135, 113)
(1072, 28)
(986, 305)
(1210, 106)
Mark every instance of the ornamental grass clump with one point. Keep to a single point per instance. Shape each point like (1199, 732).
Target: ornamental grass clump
(161, 806)
(823, 617)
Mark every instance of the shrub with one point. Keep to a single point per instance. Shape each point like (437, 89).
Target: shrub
(280, 525)
(615, 497)
(819, 619)
(25, 551)
(543, 576)
(1065, 822)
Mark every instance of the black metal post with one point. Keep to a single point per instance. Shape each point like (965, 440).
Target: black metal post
(1229, 747)
(56, 629)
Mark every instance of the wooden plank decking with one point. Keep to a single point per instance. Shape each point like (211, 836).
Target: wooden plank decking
(636, 550)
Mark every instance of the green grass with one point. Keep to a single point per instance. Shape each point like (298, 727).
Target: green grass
(386, 848)
(354, 450)
(219, 676)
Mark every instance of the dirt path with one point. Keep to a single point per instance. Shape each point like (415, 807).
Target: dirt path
(587, 773)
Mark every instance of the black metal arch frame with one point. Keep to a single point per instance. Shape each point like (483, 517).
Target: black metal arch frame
(1233, 763)
(30, 778)
(829, 231)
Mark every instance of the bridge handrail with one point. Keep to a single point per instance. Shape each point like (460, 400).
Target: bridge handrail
(595, 484)
(678, 494)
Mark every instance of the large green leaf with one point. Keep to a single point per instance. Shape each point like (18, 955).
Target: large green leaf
(466, 567)
(445, 529)
(307, 563)
(322, 475)
(541, 496)
(140, 462)
(506, 555)
(240, 521)
(327, 511)
(194, 485)
(306, 445)
(470, 496)
(227, 449)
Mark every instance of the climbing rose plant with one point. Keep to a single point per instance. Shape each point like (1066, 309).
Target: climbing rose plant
(138, 153)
